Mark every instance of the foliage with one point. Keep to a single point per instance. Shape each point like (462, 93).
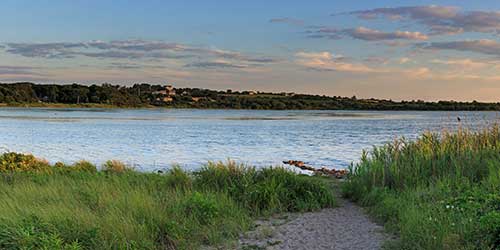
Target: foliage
(14, 162)
(439, 192)
(76, 207)
(140, 95)
(85, 166)
(115, 166)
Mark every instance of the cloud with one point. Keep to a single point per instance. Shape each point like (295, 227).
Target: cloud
(47, 50)
(287, 20)
(325, 61)
(469, 64)
(19, 70)
(484, 46)
(375, 35)
(215, 64)
(137, 45)
(127, 49)
(366, 34)
(439, 19)
(404, 60)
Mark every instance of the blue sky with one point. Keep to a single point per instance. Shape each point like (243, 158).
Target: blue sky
(386, 49)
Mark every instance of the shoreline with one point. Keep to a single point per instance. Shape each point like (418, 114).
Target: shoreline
(153, 107)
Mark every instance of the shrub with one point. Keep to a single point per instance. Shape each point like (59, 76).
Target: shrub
(490, 228)
(203, 207)
(84, 166)
(115, 166)
(15, 162)
(178, 178)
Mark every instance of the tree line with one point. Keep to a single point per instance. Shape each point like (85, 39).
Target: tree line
(140, 95)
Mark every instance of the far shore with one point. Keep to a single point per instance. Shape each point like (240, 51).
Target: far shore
(112, 106)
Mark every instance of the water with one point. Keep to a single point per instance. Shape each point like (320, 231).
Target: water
(152, 139)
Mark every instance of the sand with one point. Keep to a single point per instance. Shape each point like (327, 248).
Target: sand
(344, 227)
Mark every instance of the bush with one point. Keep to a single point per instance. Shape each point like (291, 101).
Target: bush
(203, 207)
(84, 166)
(115, 166)
(14, 162)
(490, 228)
(178, 178)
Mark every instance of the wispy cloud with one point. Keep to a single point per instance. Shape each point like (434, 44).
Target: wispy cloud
(131, 49)
(375, 35)
(288, 20)
(216, 64)
(439, 19)
(325, 61)
(484, 46)
(19, 70)
(366, 34)
(469, 64)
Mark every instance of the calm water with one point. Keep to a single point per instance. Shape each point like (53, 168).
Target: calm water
(156, 139)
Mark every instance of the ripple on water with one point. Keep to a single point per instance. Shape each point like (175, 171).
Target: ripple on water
(157, 138)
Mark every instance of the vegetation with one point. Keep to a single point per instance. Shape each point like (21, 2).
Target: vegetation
(146, 95)
(439, 192)
(77, 207)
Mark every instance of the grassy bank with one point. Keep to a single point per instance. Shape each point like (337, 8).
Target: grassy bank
(439, 192)
(79, 207)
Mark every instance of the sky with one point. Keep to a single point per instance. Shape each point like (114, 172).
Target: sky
(400, 50)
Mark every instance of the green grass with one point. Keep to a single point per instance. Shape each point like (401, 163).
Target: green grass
(78, 207)
(439, 192)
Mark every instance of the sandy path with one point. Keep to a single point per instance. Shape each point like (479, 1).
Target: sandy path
(344, 227)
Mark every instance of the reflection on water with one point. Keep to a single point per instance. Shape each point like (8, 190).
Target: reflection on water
(157, 138)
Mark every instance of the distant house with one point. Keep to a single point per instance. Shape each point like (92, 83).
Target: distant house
(252, 92)
(165, 99)
(168, 91)
(287, 94)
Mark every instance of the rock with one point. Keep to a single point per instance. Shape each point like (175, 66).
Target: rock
(339, 174)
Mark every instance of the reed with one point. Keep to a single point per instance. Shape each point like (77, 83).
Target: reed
(441, 191)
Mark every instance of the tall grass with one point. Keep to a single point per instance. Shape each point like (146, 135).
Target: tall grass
(269, 190)
(76, 207)
(441, 191)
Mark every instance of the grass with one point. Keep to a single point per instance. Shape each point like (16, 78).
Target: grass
(441, 191)
(78, 207)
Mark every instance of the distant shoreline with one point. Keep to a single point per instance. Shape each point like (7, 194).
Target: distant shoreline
(167, 96)
(110, 106)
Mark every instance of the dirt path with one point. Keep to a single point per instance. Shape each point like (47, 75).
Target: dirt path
(344, 227)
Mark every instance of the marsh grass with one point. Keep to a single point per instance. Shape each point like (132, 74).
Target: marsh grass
(265, 191)
(77, 207)
(441, 191)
